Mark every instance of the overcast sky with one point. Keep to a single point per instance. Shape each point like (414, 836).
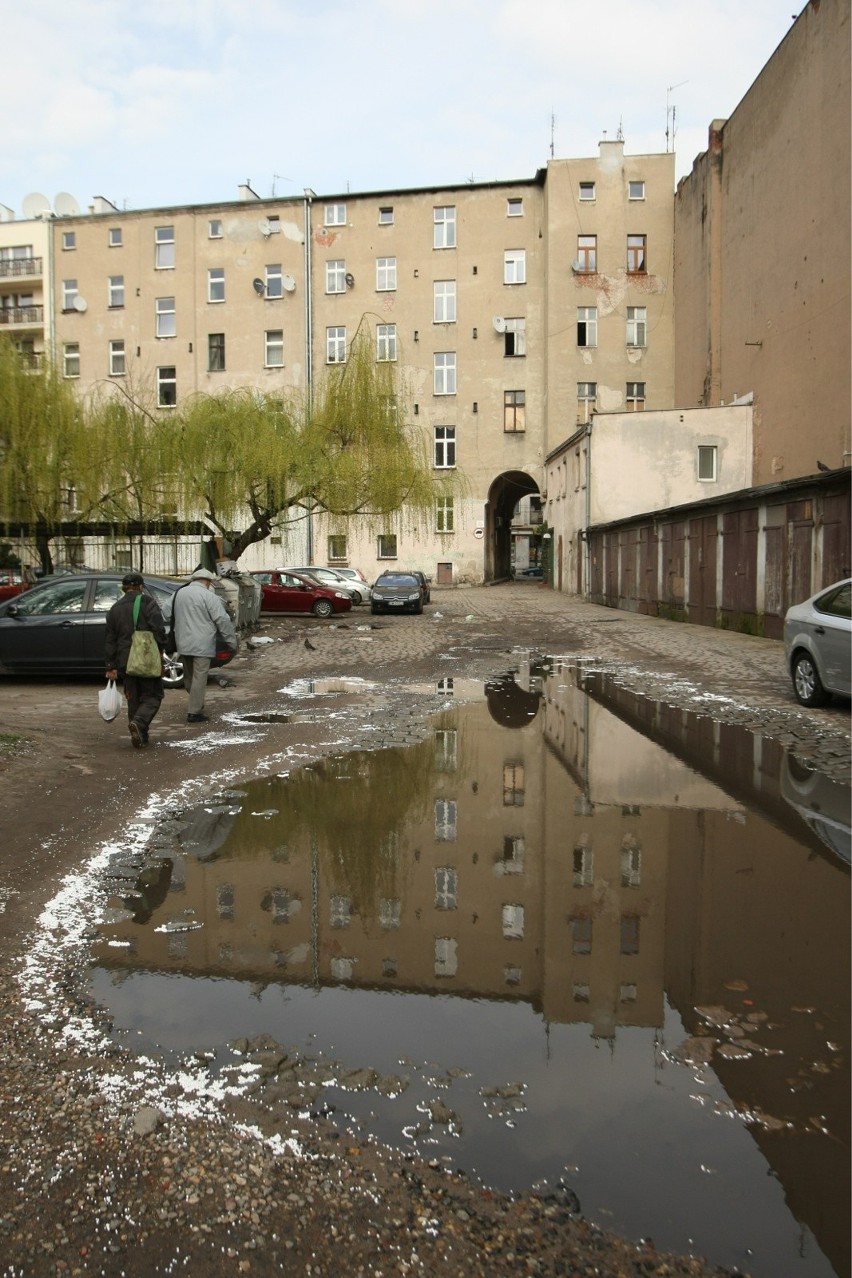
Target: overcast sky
(159, 102)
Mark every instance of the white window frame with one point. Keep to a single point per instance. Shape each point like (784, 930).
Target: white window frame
(445, 515)
(69, 294)
(587, 191)
(637, 325)
(588, 317)
(71, 359)
(335, 344)
(386, 343)
(705, 453)
(214, 228)
(385, 274)
(635, 397)
(514, 206)
(583, 869)
(117, 358)
(115, 292)
(512, 921)
(444, 441)
(446, 820)
(274, 280)
(386, 215)
(631, 867)
(115, 237)
(444, 226)
(335, 275)
(444, 302)
(166, 317)
(216, 284)
(334, 214)
(386, 546)
(444, 372)
(164, 248)
(163, 383)
(273, 348)
(446, 887)
(515, 266)
(586, 400)
(446, 956)
(69, 241)
(636, 190)
(515, 337)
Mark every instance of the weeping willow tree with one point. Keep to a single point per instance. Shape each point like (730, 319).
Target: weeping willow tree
(344, 449)
(43, 448)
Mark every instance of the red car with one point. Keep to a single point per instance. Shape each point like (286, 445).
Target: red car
(297, 592)
(13, 581)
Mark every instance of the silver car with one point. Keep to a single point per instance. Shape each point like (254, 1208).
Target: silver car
(817, 635)
(331, 578)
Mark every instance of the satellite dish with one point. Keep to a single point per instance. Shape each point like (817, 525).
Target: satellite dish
(576, 265)
(259, 287)
(288, 283)
(265, 228)
(65, 204)
(80, 303)
(499, 324)
(350, 280)
(35, 205)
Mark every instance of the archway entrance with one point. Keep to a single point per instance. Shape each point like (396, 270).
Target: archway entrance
(504, 495)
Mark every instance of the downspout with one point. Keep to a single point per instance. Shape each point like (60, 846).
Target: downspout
(587, 567)
(309, 357)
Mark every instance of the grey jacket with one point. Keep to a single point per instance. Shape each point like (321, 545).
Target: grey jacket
(199, 616)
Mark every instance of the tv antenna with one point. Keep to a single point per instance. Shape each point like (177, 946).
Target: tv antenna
(552, 135)
(671, 113)
(278, 177)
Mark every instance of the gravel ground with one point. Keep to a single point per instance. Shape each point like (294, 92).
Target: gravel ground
(102, 1171)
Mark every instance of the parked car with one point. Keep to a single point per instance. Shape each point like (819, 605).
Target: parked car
(397, 592)
(289, 591)
(333, 580)
(425, 584)
(14, 581)
(359, 580)
(817, 637)
(59, 625)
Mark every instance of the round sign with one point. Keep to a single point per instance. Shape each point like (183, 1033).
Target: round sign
(479, 532)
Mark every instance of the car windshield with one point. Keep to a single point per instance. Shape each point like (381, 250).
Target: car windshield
(397, 579)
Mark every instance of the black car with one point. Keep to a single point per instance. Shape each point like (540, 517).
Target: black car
(425, 583)
(58, 626)
(397, 592)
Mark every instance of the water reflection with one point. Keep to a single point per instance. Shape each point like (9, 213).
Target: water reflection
(570, 934)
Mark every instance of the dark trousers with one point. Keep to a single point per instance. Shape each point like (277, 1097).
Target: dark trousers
(143, 699)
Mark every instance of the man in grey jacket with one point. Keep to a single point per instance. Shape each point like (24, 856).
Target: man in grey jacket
(199, 618)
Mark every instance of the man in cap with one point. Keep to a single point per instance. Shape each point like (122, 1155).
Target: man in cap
(200, 622)
(143, 695)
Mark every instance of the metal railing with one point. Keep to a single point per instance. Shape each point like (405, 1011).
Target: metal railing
(21, 314)
(15, 267)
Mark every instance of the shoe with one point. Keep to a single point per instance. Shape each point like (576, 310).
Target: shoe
(137, 737)
(197, 718)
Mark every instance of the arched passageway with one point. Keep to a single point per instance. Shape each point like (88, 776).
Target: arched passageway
(503, 496)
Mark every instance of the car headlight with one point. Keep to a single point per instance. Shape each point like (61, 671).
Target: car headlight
(377, 594)
(340, 594)
(411, 598)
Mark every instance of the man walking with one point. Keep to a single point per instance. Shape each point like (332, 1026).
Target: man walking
(143, 695)
(199, 617)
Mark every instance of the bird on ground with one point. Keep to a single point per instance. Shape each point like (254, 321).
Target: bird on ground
(311, 647)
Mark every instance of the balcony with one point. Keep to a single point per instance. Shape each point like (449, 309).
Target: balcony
(22, 316)
(21, 268)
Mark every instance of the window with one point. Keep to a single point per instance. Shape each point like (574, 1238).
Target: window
(514, 411)
(636, 254)
(115, 237)
(513, 922)
(587, 254)
(446, 813)
(340, 911)
(387, 546)
(117, 362)
(444, 369)
(444, 230)
(274, 280)
(335, 345)
(166, 317)
(166, 387)
(335, 276)
(225, 897)
(446, 887)
(629, 934)
(587, 190)
(635, 397)
(631, 867)
(444, 515)
(69, 294)
(446, 749)
(586, 396)
(584, 860)
(446, 956)
(515, 266)
(385, 274)
(581, 992)
(390, 917)
(335, 215)
(115, 291)
(164, 247)
(337, 546)
(385, 342)
(636, 190)
(581, 934)
(216, 284)
(273, 224)
(214, 228)
(637, 325)
(444, 302)
(627, 993)
(513, 785)
(215, 352)
(445, 447)
(514, 851)
(587, 326)
(707, 459)
(69, 240)
(386, 215)
(514, 207)
(515, 338)
(273, 348)
(71, 359)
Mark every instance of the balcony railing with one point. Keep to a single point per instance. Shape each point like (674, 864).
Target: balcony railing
(20, 266)
(17, 315)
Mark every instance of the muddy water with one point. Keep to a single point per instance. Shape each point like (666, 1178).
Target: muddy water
(566, 937)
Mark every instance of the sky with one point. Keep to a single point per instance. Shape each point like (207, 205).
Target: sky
(162, 102)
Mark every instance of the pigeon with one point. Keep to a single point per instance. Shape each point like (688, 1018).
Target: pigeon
(311, 647)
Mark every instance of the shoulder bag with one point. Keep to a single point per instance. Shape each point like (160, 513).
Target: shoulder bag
(144, 660)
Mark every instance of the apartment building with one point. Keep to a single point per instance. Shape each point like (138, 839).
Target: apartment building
(512, 310)
(25, 249)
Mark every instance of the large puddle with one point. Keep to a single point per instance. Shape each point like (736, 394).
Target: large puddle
(567, 938)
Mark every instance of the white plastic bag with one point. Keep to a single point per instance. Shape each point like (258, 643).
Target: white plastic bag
(109, 701)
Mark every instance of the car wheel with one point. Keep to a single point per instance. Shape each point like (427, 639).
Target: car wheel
(322, 608)
(807, 684)
(418, 609)
(356, 597)
(172, 672)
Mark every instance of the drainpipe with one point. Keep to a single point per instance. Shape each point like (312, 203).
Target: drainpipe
(309, 357)
(586, 553)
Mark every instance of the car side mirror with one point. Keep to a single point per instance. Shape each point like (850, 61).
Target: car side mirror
(12, 610)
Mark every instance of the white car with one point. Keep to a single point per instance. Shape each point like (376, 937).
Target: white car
(356, 590)
(358, 579)
(817, 644)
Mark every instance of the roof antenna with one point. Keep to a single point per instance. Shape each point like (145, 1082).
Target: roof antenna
(552, 135)
(671, 112)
